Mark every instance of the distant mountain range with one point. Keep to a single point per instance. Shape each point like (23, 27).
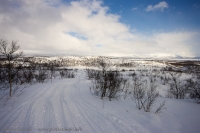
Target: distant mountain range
(153, 56)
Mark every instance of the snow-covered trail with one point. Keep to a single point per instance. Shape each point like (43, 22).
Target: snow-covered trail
(61, 107)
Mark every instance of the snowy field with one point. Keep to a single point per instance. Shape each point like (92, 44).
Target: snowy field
(67, 105)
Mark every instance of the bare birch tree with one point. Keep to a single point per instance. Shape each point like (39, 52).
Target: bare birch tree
(9, 52)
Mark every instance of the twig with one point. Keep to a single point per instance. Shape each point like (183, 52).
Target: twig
(161, 107)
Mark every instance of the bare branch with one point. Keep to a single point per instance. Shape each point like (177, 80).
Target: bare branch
(161, 107)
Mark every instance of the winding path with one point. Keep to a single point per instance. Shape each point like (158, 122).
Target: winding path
(60, 107)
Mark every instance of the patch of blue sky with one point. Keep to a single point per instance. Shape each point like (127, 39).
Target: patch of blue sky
(52, 4)
(77, 35)
(179, 14)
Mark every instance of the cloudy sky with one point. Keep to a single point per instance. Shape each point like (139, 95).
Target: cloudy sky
(103, 27)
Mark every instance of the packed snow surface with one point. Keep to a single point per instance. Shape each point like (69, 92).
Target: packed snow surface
(66, 105)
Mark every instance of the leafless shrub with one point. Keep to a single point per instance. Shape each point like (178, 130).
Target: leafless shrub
(91, 73)
(103, 65)
(28, 75)
(164, 78)
(126, 88)
(139, 91)
(132, 74)
(41, 76)
(51, 67)
(3, 79)
(105, 83)
(144, 97)
(177, 87)
(67, 74)
(161, 108)
(151, 96)
(114, 84)
(194, 89)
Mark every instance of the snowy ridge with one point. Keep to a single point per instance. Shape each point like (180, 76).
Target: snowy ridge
(130, 56)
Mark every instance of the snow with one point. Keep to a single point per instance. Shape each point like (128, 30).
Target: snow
(66, 105)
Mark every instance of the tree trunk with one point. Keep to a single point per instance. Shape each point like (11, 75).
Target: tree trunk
(10, 75)
(10, 86)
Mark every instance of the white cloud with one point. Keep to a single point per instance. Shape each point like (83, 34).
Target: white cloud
(83, 27)
(160, 6)
(178, 43)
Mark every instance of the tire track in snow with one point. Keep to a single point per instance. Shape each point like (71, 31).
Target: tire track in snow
(122, 124)
(114, 124)
(90, 117)
(5, 127)
(111, 119)
(109, 125)
(29, 112)
(67, 103)
(93, 119)
(78, 122)
(27, 117)
(63, 116)
(64, 103)
(49, 115)
(101, 115)
(82, 114)
(15, 113)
